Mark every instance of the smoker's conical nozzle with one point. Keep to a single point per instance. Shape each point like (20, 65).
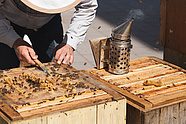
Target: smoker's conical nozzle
(123, 31)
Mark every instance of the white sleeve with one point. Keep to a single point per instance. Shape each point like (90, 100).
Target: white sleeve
(80, 22)
(7, 33)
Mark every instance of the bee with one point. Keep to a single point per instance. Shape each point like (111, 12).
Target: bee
(52, 99)
(79, 93)
(66, 114)
(25, 87)
(27, 103)
(99, 27)
(27, 97)
(55, 89)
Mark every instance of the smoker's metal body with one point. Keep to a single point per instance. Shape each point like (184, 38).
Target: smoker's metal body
(120, 45)
(119, 56)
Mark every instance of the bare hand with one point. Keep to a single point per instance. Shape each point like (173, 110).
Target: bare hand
(63, 54)
(24, 51)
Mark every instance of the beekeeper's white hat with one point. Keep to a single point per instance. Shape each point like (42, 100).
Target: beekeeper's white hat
(51, 6)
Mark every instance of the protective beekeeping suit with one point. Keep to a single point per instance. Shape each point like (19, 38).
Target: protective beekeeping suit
(41, 21)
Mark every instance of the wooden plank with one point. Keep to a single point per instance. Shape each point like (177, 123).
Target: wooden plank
(102, 72)
(133, 82)
(95, 81)
(138, 61)
(141, 102)
(112, 112)
(167, 63)
(159, 116)
(174, 79)
(163, 24)
(151, 117)
(136, 72)
(149, 67)
(85, 115)
(39, 120)
(182, 112)
(9, 112)
(150, 90)
(176, 114)
(141, 65)
(141, 75)
(57, 101)
(2, 120)
(172, 89)
(168, 97)
(133, 115)
(67, 106)
(164, 114)
(170, 114)
(100, 85)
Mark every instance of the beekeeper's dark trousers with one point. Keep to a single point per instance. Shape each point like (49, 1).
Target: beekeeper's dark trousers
(41, 39)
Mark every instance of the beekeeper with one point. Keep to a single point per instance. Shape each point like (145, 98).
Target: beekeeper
(40, 20)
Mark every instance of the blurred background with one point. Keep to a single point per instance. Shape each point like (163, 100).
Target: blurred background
(111, 13)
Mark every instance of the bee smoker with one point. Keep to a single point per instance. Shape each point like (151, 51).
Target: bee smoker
(114, 52)
(120, 45)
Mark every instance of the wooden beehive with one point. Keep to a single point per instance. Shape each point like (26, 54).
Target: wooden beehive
(66, 95)
(155, 91)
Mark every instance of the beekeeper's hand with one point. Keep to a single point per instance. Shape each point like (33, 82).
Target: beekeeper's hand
(24, 51)
(64, 54)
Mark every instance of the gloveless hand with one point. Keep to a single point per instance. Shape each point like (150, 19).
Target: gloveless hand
(63, 54)
(24, 51)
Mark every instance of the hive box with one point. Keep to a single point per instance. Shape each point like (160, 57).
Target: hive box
(155, 90)
(66, 95)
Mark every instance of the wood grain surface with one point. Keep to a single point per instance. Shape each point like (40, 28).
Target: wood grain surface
(28, 91)
(151, 82)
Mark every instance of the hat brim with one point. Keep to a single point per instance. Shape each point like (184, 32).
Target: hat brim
(51, 10)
